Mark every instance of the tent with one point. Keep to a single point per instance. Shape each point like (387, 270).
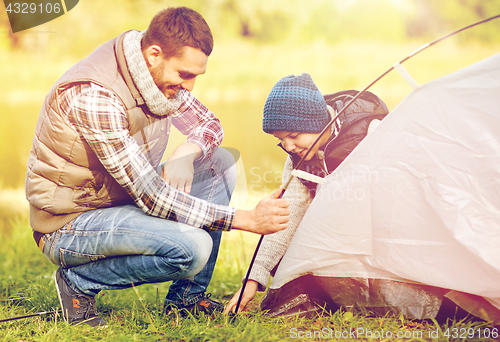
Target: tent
(412, 215)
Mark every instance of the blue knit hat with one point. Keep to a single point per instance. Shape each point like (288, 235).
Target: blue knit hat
(295, 104)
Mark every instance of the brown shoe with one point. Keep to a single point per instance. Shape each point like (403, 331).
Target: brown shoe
(76, 307)
(204, 305)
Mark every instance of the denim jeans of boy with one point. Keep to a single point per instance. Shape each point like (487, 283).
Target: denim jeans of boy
(120, 247)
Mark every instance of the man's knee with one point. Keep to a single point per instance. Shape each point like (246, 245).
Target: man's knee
(224, 161)
(200, 248)
(225, 158)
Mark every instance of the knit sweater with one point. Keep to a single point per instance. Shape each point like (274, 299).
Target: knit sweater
(274, 246)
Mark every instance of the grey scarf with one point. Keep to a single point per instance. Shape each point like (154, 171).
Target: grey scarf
(156, 101)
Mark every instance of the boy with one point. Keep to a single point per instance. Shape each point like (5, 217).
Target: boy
(296, 112)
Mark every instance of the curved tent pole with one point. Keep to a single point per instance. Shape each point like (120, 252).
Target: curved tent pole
(397, 65)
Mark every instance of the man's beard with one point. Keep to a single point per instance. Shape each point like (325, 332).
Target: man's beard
(157, 73)
(173, 102)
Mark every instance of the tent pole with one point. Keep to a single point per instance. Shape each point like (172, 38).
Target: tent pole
(249, 270)
(28, 316)
(327, 127)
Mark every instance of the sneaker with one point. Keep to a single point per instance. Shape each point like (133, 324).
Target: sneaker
(76, 307)
(204, 305)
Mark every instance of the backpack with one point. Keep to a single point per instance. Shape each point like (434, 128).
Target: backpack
(350, 128)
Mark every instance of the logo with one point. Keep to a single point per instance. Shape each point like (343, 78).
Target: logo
(204, 303)
(26, 14)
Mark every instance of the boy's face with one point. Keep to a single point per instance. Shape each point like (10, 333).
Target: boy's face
(299, 143)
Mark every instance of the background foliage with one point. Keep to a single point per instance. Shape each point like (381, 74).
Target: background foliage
(341, 43)
(280, 20)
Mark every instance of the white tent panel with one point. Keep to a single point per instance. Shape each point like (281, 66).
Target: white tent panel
(419, 199)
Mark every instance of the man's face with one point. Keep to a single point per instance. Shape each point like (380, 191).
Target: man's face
(176, 73)
(299, 143)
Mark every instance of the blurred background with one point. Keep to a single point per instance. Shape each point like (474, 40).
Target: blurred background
(343, 44)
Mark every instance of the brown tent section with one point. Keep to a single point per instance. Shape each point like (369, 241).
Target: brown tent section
(309, 294)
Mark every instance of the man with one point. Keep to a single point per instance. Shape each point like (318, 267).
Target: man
(102, 207)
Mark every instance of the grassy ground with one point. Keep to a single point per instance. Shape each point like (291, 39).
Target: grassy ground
(136, 314)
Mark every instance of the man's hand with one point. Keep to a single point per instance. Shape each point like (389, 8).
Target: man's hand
(269, 216)
(250, 291)
(178, 171)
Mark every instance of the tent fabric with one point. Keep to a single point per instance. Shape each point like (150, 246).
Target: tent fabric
(310, 294)
(418, 200)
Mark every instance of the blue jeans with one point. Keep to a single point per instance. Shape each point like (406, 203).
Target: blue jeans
(119, 247)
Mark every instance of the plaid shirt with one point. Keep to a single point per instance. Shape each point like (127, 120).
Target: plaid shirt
(101, 120)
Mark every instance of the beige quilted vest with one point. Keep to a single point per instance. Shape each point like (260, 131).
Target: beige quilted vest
(64, 177)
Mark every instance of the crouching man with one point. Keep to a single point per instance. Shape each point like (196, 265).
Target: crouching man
(102, 207)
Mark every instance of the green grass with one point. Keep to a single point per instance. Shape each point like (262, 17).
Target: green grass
(136, 314)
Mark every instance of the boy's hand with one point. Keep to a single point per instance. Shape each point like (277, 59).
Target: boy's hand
(269, 216)
(250, 291)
